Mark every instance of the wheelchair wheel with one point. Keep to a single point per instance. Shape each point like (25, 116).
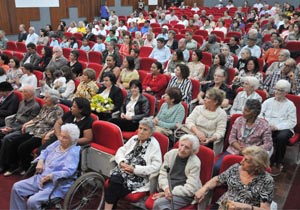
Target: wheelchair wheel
(87, 192)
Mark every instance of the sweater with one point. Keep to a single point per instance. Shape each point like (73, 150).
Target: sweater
(168, 117)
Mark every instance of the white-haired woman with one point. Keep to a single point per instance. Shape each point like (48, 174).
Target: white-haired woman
(58, 160)
(137, 160)
(250, 84)
(184, 167)
(280, 112)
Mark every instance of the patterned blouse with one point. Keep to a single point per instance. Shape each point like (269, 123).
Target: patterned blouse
(260, 189)
(86, 90)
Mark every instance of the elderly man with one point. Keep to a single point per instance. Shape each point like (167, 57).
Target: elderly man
(279, 65)
(255, 49)
(182, 47)
(31, 56)
(287, 73)
(280, 113)
(58, 60)
(32, 36)
(191, 44)
(27, 110)
(9, 102)
(161, 52)
(3, 40)
(183, 165)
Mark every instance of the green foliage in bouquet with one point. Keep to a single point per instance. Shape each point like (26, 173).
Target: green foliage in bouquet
(100, 104)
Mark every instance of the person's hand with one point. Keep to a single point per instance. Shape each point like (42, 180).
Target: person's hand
(168, 194)
(273, 128)
(148, 89)
(291, 75)
(42, 82)
(200, 195)
(45, 179)
(39, 167)
(23, 129)
(158, 195)
(155, 120)
(122, 115)
(127, 117)
(126, 168)
(201, 136)
(201, 101)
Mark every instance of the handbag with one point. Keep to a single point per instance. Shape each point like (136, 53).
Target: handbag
(180, 130)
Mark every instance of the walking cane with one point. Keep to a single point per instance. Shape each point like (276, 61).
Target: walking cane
(170, 186)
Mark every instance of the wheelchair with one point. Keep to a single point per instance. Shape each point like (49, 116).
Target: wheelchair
(87, 191)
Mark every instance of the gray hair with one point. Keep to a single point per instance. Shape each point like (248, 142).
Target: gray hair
(148, 121)
(286, 53)
(193, 139)
(253, 81)
(72, 130)
(54, 96)
(284, 85)
(259, 158)
(247, 50)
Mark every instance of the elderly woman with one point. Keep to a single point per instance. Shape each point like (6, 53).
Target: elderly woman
(59, 160)
(218, 83)
(170, 112)
(184, 172)
(250, 84)
(137, 160)
(135, 108)
(181, 81)
(246, 131)
(197, 68)
(281, 115)
(228, 57)
(155, 83)
(249, 185)
(211, 132)
(110, 90)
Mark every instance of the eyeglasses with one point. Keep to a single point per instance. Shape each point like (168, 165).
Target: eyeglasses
(279, 90)
(287, 65)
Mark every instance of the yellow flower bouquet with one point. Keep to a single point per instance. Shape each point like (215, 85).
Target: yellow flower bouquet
(100, 104)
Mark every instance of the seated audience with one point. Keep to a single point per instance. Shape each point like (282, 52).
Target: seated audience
(45, 60)
(250, 84)
(197, 68)
(248, 130)
(110, 90)
(9, 102)
(211, 45)
(161, 52)
(219, 61)
(112, 49)
(110, 66)
(170, 113)
(31, 56)
(28, 78)
(210, 133)
(58, 60)
(135, 108)
(14, 71)
(280, 113)
(260, 185)
(177, 58)
(74, 64)
(38, 187)
(155, 83)
(181, 167)
(136, 161)
(181, 81)
(128, 73)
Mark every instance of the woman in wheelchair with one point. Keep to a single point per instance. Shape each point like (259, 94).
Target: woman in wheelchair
(58, 160)
(137, 160)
